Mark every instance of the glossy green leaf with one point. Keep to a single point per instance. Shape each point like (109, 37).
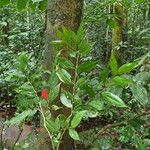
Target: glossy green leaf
(96, 104)
(53, 81)
(113, 64)
(87, 66)
(50, 124)
(122, 81)
(113, 99)
(64, 63)
(127, 67)
(77, 119)
(84, 48)
(65, 101)
(73, 134)
(104, 74)
(57, 43)
(80, 33)
(65, 35)
(64, 76)
(54, 92)
(81, 82)
(21, 4)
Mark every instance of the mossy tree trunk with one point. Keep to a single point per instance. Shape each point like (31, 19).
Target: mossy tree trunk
(67, 13)
(117, 32)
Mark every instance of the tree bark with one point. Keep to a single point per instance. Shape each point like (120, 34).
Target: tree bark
(67, 13)
(117, 31)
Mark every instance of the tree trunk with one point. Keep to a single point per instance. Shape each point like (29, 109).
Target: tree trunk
(67, 13)
(117, 31)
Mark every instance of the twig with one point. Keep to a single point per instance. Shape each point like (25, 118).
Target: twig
(44, 120)
(61, 138)
(110, 126)
(17, 139)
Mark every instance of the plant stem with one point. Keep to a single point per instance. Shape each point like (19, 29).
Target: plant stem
(61, 138)
(41, 110)
(17, 138)
(76, 74)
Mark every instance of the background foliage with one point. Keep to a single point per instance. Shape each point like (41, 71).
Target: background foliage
(116, 100)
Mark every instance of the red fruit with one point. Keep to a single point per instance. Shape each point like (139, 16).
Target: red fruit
(44, 94)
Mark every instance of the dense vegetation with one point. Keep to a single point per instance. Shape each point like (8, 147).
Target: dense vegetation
(79, 76)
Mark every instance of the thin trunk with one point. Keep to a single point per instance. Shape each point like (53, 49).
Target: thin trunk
(117, 31)
(67, 13)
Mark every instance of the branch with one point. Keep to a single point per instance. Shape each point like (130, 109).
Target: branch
(110, 126)
(13, 147)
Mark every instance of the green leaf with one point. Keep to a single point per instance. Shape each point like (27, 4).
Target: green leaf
(25, 89)
(89, 90)
(43, 5)
(81, 82)
(140, 94)
(113, 99)
(80, 33)
(57, 43)
(65, 35)
(127, 67)
(65, 101)
(64, 76)
(21, 4)
(77, 119)
(112, 24)
(4, 2)
(113, 64)
(104, 74)
(50, 124)
(87, 66)
(55, 107)
(34, 1)
(73, 134)
(84, 48)
(64, 63)
(33, 4)
(122, 81)
(23, 62)
(140, 1)
(96, 104)
(53, 81)
(21, 117)
(54, 92)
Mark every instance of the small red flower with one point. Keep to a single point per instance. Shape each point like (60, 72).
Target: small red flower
(44, 94)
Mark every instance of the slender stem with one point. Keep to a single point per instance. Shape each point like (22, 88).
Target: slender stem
(76, 74)
(42, 113)
(73, 93)
(44, 120)
(17, 138)
(61, 138)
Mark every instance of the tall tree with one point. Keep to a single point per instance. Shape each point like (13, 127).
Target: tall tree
(67, 13)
